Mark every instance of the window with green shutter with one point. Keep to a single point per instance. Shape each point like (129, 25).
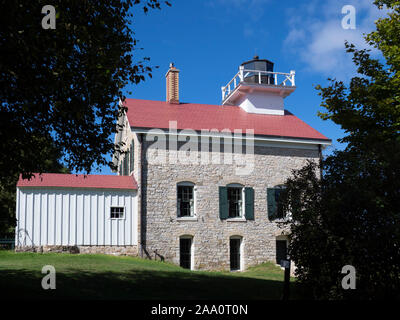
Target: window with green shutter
(279, 212)
(273, 202)
(185, 200)
(223, 203)
(249, 203)
(235, 201)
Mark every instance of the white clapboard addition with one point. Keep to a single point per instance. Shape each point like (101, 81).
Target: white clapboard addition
(75, 210)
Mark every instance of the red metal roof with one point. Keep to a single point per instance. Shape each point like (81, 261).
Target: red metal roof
(157, 114)
(78, 181)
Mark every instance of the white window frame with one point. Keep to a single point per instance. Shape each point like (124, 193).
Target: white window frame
(124, 213)
(193, 216)
(242, 216)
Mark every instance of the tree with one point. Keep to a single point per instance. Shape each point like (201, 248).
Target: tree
(64, 83)
(60, 88)
(7, 187)
(351, 215)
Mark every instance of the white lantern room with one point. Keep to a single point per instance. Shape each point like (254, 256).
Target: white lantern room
(257, 88)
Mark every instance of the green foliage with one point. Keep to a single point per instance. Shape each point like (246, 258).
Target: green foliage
(64, 83)
(350, 217)
(352, 214)
(8, 187)
(60, 88)
(369, 108)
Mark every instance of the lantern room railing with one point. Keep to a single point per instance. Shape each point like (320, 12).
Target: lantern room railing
(274, 78)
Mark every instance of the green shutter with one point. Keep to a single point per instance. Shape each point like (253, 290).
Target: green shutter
(223, 203)
(279, 213)
(271, 203)
(249, 203)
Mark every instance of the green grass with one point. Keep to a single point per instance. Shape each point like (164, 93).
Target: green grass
(81, 276)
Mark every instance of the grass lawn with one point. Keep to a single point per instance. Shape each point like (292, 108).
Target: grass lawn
(81, 276)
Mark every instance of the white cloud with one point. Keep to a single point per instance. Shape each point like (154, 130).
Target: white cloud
(317, 37)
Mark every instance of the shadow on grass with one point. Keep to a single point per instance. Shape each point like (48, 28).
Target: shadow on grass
(139, 284)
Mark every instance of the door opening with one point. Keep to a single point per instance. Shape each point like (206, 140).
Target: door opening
(235, 253)
(185, 245)
(281, 251)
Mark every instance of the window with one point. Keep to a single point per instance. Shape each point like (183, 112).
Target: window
(131, 157)
(274, 208)
(117, 213)
(185, 199)
(126, 164)
(235, 202)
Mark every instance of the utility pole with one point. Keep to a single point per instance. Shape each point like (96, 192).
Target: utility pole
(286, 284)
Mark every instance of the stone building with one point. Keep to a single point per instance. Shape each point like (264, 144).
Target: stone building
(209, 176)
(197, 184)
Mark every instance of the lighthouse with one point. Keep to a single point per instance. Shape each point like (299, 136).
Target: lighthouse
(257, 88)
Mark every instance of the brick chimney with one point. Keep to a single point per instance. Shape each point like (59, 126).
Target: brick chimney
(172, 77)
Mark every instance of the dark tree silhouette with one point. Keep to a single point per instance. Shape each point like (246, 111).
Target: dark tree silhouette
(64, 83)
(60, 88)
(351, 216)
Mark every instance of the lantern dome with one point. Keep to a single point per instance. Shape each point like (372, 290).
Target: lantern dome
(257, 65)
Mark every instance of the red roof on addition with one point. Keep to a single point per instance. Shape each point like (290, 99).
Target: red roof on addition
(157, 114)
(79, 181)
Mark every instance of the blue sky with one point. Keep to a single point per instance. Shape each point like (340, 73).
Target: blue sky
(207, 40)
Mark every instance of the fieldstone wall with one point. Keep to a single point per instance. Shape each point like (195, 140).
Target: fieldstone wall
(115, 250)
(162, 229)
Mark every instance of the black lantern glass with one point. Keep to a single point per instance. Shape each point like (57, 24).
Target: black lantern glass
(258, 65)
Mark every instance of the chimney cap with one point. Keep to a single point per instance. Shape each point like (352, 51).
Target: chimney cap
(171, 65)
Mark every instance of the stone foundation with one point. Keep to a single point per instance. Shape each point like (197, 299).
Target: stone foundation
(115, 250)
